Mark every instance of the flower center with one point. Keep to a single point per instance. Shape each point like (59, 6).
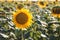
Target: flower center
(21, 18)
(56, 10)
(42, 3)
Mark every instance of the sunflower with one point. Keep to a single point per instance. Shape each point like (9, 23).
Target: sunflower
(56, 11)
(42, 4)
(22, 18)
(53, 2)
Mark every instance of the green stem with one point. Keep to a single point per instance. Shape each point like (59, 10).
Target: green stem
(58, 19)
(22, 35)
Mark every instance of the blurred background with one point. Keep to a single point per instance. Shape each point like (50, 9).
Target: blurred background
(46, 20)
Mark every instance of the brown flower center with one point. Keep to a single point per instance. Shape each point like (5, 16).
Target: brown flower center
(56, 10)
(42, 3)
(21, 18)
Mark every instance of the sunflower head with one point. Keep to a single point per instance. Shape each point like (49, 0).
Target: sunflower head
(22, 18)
(42, 4)
(56, 11)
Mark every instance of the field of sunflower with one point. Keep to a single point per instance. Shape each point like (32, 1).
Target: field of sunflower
(29, 20)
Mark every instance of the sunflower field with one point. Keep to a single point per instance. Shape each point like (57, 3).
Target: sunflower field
(29, 20)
